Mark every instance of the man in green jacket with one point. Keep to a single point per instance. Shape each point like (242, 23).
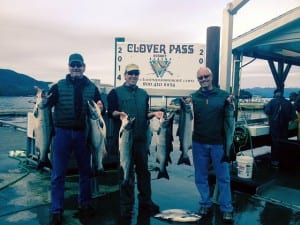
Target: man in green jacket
(129, 99)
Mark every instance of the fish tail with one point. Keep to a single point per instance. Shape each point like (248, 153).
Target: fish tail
(163, 174)
(184, 160)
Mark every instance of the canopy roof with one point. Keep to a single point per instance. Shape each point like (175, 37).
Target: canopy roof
(277, 40)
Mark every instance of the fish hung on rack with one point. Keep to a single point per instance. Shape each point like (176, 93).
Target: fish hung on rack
(185, 130)
(43, 128)
(164, 144)
(96, 136)
(125, 148)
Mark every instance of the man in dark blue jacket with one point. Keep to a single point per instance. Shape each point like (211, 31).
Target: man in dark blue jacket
(208, 143)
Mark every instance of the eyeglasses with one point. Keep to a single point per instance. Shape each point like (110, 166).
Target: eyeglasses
(203, 77)
(75, 64)
(133, 73)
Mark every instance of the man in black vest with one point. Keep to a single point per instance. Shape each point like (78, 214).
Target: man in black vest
(69, 98)
(129, 99)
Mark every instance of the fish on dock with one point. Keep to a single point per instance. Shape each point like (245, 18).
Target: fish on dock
(185, 130)
(43, 128)
(178, 215)
(96, 136)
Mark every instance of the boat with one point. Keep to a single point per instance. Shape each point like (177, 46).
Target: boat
(254, 103)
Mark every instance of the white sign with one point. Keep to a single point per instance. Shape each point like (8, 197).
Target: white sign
(165, 69)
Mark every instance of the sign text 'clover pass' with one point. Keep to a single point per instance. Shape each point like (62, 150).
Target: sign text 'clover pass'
(165, 69)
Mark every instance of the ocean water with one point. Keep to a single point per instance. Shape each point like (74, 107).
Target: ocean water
(16, 103)
(24, 104)
(27, 104)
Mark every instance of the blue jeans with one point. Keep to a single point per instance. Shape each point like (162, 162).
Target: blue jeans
(203, 154)
(65, 142)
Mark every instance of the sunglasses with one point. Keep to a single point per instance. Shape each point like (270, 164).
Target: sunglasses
(133, 73)
(75, 64)
(203, 77)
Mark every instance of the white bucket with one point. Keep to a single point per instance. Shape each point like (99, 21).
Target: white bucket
(244, 166)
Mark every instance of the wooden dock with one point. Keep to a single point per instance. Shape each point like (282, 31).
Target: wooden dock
(9, 112)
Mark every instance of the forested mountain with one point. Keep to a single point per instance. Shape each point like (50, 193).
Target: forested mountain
(267, 92)
(16, 84)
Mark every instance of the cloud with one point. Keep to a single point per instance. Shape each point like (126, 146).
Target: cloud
(37, 36)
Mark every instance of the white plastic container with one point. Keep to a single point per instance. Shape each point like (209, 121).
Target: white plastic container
(244, 166)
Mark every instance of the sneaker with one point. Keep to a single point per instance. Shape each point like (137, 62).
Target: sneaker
(56, 219)
(227, 217)
(149, 207)
(86, 211)
(204, 211)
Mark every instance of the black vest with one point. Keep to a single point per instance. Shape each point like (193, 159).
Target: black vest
(65, 115)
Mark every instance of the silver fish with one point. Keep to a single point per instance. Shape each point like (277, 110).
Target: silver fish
(149, 136)
(96, 136)
(178, 215)
(185, 131)
(229, 127)
(125, 147)
(43, 128)
(164, 145)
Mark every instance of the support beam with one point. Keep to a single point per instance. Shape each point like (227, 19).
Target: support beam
(236, 81)
(226, 51)
(279, 74)
(117, 39)
(213, 52)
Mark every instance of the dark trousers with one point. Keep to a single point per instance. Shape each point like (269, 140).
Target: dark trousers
(277, 132)
(139, 167)
(64, 143)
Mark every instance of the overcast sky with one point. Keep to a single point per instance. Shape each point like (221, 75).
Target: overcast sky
(37, 36)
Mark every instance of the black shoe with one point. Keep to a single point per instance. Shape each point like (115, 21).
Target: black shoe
(56, 219)
(204, 211)
(126, 214)
(149, 207)
(42, 164)
(86, 211)
(275, 165)
(227, 217)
